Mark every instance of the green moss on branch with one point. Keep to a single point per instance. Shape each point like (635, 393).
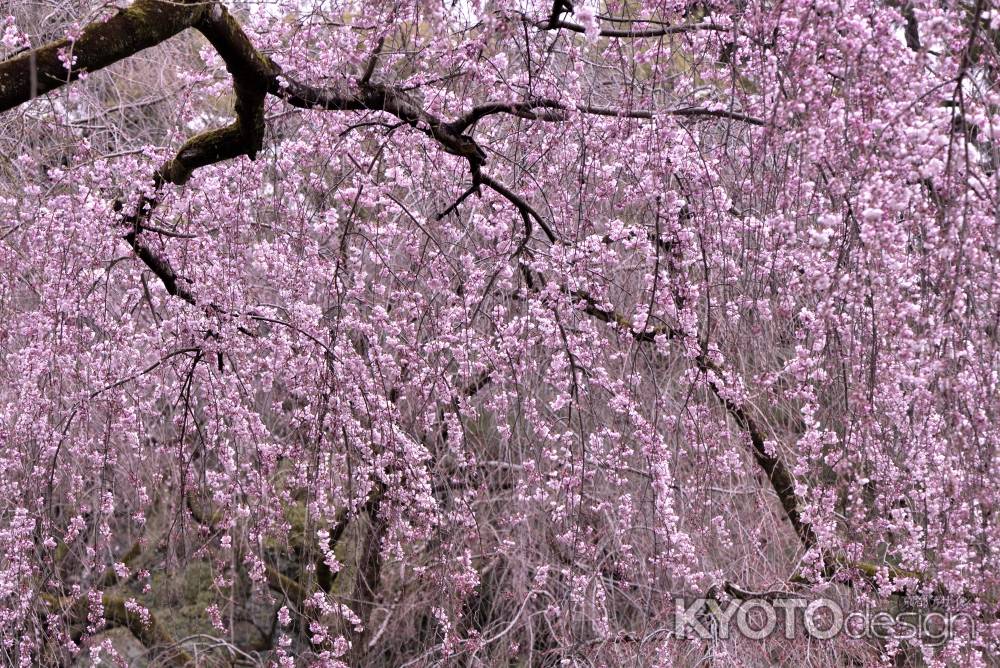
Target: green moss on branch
(144, 24)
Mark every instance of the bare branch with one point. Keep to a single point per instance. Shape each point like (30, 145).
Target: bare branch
(650, 32)
(523, 207)
(553, 110)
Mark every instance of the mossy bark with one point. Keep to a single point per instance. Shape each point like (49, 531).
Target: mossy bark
(144, 24)
(252, 73)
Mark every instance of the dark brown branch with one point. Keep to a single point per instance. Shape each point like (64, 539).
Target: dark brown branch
(526, 210)
(616, 113)
(558, 8)
(161, 267)
(156, 263)
(252, 73)
(553, 110)
(304, 96)
(144, 24)
(773, 466)
(521, 109)
(650, 32)
(378, 97)
(372, 62)
(912, 30)
(461, 198)
(719, 113)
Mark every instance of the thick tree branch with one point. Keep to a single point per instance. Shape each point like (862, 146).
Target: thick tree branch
(144, 24)
(627, 34)
(156, 263)
(161, 267)
(252, 74)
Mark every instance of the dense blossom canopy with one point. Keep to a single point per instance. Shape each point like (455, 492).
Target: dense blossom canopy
(478, 332)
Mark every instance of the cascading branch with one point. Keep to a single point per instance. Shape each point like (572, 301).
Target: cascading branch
(477, 333)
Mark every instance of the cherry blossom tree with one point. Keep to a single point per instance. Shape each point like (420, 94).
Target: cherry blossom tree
(479, 333)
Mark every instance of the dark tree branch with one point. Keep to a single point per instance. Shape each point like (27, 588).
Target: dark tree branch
(912, 30)
(144, 24)
(252, 73)
(558, 8)
(526, 210)
(521, 109)
(718, 113)
(553, 110)
(771, 463)
(372, 62)
(156, 263)
(650, 32)
(461, 198)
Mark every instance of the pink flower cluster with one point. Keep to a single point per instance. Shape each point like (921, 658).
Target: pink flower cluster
(721, 304)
